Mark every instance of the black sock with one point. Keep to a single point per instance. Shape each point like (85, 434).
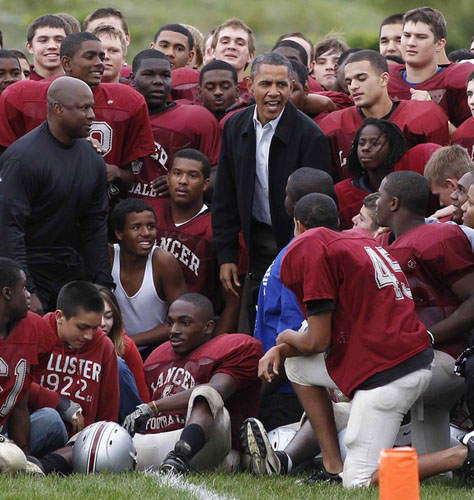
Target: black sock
(53, 462)
(195, 437)
(283, 457)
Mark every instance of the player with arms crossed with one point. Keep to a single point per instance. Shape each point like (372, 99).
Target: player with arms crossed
(393, 345)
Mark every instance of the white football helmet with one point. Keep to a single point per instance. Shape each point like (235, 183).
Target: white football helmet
(103, 447)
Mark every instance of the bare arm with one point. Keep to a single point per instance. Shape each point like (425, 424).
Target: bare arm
(462, 319)
(19, 425)
(229, 319)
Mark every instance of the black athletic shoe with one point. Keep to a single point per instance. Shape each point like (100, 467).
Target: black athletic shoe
(175, 463)
(258, 456)
(466, 472)
(321, 476)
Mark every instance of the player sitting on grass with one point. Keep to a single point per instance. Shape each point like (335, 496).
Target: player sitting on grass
(203, 388)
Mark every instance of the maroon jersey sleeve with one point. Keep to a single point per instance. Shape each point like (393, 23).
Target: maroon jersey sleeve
(12, 125)
(464, 136)
(109, 393)
(350, 200)
(134, 361)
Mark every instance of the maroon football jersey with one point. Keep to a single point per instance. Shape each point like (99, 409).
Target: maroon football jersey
(433, 257)
(419, 122)
(186, 85)
(446, 88)
(192, 247)
(178, 127)
(350, 198)
(374, 325)
(314, 86)
(29, 342)
(236, 355)
(464, 136)
(121, 124)
(88, 376)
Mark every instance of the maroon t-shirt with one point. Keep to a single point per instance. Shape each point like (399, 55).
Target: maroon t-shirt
(446, 88)
(433, 257)
(419, 121)
(191, 245)
(29, 342)
(374, 325)
(464, 136)
(236, 355)
(121, 124)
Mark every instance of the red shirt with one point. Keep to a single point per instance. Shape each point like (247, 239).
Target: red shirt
(88, 377)
(236, 355)
(419, 121)
(121, 124)
(374, 325)
(446, 88)
(191, 245)
(186, 85)
(464, 136)
(29, 343)
(350, 198)
(433, 257)
(178, 127)
(134, 361)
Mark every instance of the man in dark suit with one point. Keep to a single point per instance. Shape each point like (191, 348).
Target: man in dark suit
(261, 146)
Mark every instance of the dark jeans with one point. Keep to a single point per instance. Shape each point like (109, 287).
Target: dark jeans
(279, 408)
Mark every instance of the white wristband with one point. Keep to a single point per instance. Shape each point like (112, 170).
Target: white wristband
(430, 335)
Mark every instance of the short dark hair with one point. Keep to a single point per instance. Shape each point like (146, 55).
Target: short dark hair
(470, 77)
(215, 65)
(376, 60)
(46, 21)
(9, 272)
(19, 54)
(72, 43)
(329, 44)
(393, 19)
(396, 142)
(194, 154)
(301, 71)
(432, 17)
(146, 54)
(199, 301)
(107, 12)
(73, 23)
(177, 28)
(1, 39)
(298, 34)
(8, 54)
(395, 59)
(79, 296)
(125, 207)
(294, 45)
(306, 180)
(273, 59)
(460, 55)
(347, 53)
(410, 188)
(317, 210)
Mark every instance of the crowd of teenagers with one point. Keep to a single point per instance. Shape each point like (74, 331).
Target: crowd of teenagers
(223, 259)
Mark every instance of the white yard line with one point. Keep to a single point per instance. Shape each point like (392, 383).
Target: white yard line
(198, 491)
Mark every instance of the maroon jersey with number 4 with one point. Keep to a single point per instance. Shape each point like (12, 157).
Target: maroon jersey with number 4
(236, 355)
(464, 136)
(374, 325)
(88, 376)
(178, 127)
(29, 342)
(419, 122)
(121, 123)
(433, 257)
(446, 88)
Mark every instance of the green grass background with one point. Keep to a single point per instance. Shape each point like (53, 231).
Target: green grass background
(135, 486)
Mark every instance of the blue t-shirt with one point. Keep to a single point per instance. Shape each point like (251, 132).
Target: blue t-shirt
(277, 310)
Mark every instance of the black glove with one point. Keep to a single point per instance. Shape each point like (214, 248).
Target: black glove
(460, 363)
(137, 419)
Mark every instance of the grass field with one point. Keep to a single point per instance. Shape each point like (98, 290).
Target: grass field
(135, 486)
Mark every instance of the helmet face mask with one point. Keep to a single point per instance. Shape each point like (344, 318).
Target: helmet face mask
(103, 447)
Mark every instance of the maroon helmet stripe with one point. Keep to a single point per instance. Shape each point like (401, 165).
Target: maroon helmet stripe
(95, 442)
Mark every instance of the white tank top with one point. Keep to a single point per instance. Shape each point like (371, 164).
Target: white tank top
(144, 310)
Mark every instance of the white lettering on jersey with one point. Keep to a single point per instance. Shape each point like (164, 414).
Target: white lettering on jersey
(20, 374)
(175, 377)
(102, 132)
(182, 253)
(160, 155)
(71, 365)
(342, 159)
(143, 190)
